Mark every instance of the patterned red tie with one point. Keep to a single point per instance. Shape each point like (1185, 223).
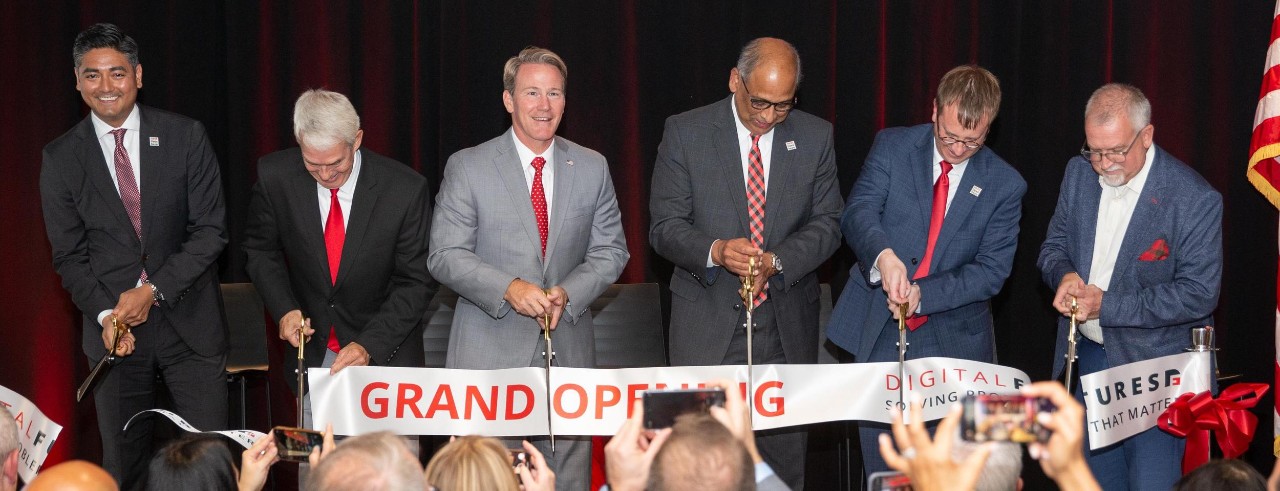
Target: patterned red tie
(539, 198)
(940, 189)
(755, 204)
(335, 233)
(129, 194)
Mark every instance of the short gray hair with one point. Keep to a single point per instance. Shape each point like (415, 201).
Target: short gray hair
(532, 55)
(8, 433)
(1003, 466)
(322, 118)
(373, 461)
(752, 54)
(1107, 103)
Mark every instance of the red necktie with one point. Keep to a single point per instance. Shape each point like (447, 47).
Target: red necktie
(755, 204)
(539, 198)
(334, 235)
(940, 189)
(129, 194)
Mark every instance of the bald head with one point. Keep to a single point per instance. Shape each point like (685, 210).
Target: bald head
(764, 83)
(74, 475)
(777, 58)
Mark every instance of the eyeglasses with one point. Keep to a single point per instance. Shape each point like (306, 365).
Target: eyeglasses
(761, 104)
(949, 141)
(1112, 155)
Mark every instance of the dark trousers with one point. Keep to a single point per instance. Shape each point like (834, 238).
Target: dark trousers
(196, 384)
(1149, 460)
(782, 448)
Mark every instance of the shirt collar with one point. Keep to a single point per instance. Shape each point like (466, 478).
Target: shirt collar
(101, 128)
(527, 155)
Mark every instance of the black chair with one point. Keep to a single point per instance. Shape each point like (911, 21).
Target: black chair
(627, 319)
(247, 355)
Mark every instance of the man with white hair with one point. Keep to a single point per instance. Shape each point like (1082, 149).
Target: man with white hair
(373, 462)
(8, 451)
(337, 242)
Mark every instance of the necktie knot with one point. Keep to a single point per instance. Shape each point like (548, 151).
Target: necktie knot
(119, 134)
(946, 167)
(538, 162)
(333, 193)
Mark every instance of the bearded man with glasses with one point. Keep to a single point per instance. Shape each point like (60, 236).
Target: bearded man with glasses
(933, 220)
(1136, 241)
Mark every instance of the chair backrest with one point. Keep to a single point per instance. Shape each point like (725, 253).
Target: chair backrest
(246, 321)
(627, 319)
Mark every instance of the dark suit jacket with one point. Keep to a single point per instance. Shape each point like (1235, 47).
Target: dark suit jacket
(890, 207)
(699, 195)
(383, 286)
(95, 249)
(1150, 304)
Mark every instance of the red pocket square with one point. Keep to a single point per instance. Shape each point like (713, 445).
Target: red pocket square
(1159, 251)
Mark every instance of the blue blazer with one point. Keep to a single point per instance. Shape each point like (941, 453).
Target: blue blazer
(1151, 302)
(889, 208)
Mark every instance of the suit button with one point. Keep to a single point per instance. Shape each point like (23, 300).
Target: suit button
(913, 260)
(330, 304)
(144, 258)
(737, 306)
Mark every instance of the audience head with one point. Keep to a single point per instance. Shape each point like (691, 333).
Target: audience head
(328, 131)
(701, 454)
(967, 102)
(374, 462)
(764, 83)
(472, 463)
(73, 475)
(1003, 467)
(1222, 474)
(191, 463)
(9, 448)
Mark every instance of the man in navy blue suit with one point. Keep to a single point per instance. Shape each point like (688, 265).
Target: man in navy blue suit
(933, 220)
(1137, 241)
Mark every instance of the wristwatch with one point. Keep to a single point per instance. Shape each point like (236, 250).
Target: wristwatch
(159, 297)
(777, 263)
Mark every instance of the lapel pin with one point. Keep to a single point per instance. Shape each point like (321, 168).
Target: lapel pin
(155, 141)
(570, 162)
(791, 145)
(975, 191)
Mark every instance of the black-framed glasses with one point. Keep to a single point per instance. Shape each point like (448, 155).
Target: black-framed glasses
(761, 104)
(1112, 155)
(949, 141)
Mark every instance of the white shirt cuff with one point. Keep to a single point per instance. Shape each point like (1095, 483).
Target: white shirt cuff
(103, 316)
(873, 273)
(763, 471)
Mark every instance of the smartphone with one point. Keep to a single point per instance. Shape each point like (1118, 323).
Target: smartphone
(295, 444)
(888, 481)
(1005, 418)
(662, 407)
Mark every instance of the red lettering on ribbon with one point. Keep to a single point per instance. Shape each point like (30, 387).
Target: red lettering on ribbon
(443, 401)
(381, 402)
(512, 414)
(559, 401)
(475, 399)
(606, 396)
(404, 399)
(777, 403)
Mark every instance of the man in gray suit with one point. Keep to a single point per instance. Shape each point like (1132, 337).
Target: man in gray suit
(526, 225)
(1136, 240)
(713, 211)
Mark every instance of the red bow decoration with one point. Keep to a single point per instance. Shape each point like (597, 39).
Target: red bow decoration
(1191, 416)
(1159, 251)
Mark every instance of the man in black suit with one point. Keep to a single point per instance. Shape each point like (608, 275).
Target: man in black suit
(337, 241)
(133, 209)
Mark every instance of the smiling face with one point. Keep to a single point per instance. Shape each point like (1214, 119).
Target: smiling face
(536, 105)
(108, 84)
(331, 167)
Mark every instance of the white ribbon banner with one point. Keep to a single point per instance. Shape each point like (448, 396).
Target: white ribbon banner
(513, 402)
(36, 433)
(1126, 400)
(245, 438)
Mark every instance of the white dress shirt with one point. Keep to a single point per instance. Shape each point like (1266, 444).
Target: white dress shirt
(1115, 208)
(346, 193)
(744, 156)
(548, 169)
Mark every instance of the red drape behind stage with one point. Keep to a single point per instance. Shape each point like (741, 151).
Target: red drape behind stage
(425, 77)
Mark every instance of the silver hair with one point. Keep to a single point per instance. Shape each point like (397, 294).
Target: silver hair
(751, 55)
(1106, 104)
(373, 462)
(8, 433)
(1003, 466)
(322, 119)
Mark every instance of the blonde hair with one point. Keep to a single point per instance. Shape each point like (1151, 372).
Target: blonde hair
(532, 55)
(472, 463)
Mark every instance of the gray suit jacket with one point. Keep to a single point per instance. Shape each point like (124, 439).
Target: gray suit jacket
(484, 235)
(699, 195)
(1154, 298)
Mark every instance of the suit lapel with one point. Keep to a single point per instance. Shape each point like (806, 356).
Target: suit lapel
(923, 176)
(95, 166)
(150, 165)
(961, 204)
(726, 141)
(1088, 205)
(563, 188)
(362, 205)
(511, 171)
(306, 213)
(779, 179)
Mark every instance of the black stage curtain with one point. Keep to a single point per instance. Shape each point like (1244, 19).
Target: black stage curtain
(425, 77)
